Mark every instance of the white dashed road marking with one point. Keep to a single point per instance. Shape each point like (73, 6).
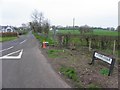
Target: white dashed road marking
(6, 49)
(23, 41)
(13, 57)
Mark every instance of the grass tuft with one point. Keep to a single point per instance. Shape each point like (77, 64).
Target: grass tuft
(104, 71)
(69, 72)
(93, 87)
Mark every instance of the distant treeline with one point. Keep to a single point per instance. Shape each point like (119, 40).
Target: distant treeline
(77, 28)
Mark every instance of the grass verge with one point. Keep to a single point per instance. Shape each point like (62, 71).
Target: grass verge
(3, 39)
(71, 73)
(54, 53)
(42, 38)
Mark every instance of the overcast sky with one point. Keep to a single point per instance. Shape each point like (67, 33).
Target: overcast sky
(100, 13)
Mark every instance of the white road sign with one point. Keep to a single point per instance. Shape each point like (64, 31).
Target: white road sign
(103, 57)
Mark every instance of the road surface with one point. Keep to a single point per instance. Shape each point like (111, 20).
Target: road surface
(24, 66)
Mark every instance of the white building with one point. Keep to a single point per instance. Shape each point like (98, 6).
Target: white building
(7, 29)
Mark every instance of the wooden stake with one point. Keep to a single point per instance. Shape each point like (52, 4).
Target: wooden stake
(90, 45)
(114, 47)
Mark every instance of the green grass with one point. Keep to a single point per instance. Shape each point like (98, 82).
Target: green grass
(93, 87)
(54, 53)
(69, 72)
(105, 32)
(41, 39)
(104, 71)
(3, 39)
(95, 32)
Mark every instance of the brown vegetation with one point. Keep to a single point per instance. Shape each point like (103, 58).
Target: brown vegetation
(9, 34)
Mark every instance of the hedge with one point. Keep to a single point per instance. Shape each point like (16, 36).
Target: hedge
(9, 34)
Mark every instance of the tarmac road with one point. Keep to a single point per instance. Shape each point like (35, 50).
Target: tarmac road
(30, 69)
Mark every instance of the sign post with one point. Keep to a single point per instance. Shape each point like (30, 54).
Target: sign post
(104, 58)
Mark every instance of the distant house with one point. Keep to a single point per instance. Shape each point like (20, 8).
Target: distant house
(7, 29)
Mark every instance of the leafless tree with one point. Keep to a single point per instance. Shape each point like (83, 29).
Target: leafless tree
(37, 22)
(46, 26)
(33, 26)
(37, 16)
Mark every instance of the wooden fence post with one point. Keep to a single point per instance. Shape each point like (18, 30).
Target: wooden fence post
(114, 47)
(89, 44)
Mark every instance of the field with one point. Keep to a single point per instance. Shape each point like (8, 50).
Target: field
(105, 32)
(95, 32)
